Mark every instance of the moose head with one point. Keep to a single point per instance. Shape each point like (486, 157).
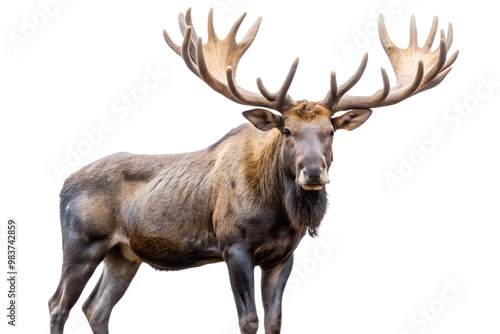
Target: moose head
(308, 127)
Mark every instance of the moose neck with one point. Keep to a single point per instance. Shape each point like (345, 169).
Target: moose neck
(266, 174)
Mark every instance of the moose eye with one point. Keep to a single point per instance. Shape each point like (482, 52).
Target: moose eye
(287, 132)
(332, 132)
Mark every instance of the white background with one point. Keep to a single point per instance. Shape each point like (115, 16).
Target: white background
(384, 254)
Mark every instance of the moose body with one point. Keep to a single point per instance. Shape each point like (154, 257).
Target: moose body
(184, 210)
(246, 200)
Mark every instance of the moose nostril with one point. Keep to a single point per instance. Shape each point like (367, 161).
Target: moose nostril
(313, 173)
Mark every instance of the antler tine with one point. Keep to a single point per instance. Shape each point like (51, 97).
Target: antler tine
(437, 80)
(336, 93)
(334, 88)
(438, 65)
(386, 42)
(331, 97)
(384, 92)
(450, 60)
(212, 36)
(250, 35)
(413, 44)
(282, 92)
(184, 23)
(194, 36)
(236, 26)
(432, 34)
(444, 72)
(263, 90)
(240, 96)
(442, 35)
(189, 21)
(417, 69)
(186, 51)
(353, 80)
(170, 42)
(449, 38)
(280, 99)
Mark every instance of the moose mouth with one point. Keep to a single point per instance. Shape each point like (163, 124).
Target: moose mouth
(313, 185)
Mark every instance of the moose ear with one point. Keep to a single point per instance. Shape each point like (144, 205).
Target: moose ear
(351, 119)
(263, 119)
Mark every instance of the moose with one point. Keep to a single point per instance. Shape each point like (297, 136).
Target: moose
(247, 200)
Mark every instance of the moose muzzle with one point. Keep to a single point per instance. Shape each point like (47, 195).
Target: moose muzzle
(314, 173)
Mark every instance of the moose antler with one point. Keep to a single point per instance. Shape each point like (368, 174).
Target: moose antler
(417, 69)
(215, 63)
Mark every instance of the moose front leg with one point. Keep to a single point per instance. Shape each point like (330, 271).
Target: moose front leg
(273, 285)
(241, 267)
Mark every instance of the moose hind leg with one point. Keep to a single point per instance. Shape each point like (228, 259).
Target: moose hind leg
(117, 274)
(78, 267)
